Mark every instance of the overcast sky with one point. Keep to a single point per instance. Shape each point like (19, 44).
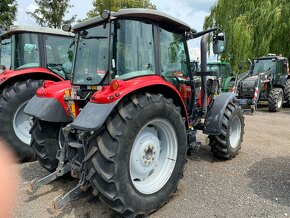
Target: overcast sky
(191, 12)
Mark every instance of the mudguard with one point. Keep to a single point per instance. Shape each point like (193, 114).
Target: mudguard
(48, 109)
(93, 116)
(213, 118)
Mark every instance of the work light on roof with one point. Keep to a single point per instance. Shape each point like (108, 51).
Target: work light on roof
(106, 14)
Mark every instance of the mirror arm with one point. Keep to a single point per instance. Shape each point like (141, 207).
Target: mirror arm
(201, 33)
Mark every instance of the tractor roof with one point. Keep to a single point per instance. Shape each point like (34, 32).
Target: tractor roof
(139, 13)
(218, 63)
(33, 29)
(271, 57)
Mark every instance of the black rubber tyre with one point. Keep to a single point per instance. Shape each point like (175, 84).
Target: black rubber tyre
(287, 93)
(109, 154)
(222, 145)
(45, 139)
(11, 99)
(275, 100)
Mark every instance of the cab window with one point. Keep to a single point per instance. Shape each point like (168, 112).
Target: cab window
(174, 63)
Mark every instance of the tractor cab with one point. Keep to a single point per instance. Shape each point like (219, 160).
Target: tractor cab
(138, 48)
(25, 47)
(224, 74)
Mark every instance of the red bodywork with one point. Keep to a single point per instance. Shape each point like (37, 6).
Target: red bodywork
(109, 95)
(55, 90)
(27, 72)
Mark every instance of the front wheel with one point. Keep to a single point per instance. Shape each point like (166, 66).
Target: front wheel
(275, 100)
(139, 155)
(287, 92)
(14, 124)
(228, 143)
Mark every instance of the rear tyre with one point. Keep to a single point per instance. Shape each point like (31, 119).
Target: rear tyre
(275, 100)
(287, 92)
(15, 125)
(228, 143)
(46, 140)
(138, 156)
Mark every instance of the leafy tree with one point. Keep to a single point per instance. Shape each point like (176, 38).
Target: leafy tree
(51, 13)
(253, 28)
(115, 5)
(8, 9)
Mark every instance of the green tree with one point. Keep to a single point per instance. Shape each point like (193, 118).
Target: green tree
(51, 13)
(115, 5)
(253, 28)
(8, 9)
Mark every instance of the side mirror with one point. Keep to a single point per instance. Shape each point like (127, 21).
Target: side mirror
(219, 42)
(66, 27)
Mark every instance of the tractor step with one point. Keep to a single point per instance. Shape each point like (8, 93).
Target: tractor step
(37, 183)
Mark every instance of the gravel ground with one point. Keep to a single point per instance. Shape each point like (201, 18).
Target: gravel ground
(255, 183)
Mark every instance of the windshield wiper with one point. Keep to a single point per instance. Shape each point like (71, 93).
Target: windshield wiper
(5, 43)
(95, 37)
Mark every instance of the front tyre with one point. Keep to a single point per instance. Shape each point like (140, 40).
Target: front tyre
(287, 92)
(138, 157)
(14, 124)
(275, 100)
(228, 143)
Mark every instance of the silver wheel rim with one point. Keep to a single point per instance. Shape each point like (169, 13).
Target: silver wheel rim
(280, 100)
(22, 124)
(235, 132)
(60, 137)
(153, 156)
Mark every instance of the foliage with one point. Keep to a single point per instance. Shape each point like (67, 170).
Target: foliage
(50, 13)
(8, 9)
(115, 5)
(253, 28)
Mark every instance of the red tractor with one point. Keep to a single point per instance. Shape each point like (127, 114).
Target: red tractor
(127, 120)
(29, 55)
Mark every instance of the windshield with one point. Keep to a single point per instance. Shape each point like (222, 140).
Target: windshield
(262, 66)
(59, 54)
(131, 54)
(26, 52)
(5, 51)
(92, 55)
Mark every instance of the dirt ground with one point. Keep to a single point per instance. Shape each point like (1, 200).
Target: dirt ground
(255, 183)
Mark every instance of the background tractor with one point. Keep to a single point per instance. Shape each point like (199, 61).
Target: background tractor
(29, 55)
(132, 111)
(267, 80)
(224, 74)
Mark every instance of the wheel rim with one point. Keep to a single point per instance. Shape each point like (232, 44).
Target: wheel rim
(235, 132)
(22, 124)
(153, 156)
(60, 137)
(280, 100)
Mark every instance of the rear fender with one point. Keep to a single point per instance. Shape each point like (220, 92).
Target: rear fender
(215, 113)
(9, 77)
(95, 113)
(48, 103)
